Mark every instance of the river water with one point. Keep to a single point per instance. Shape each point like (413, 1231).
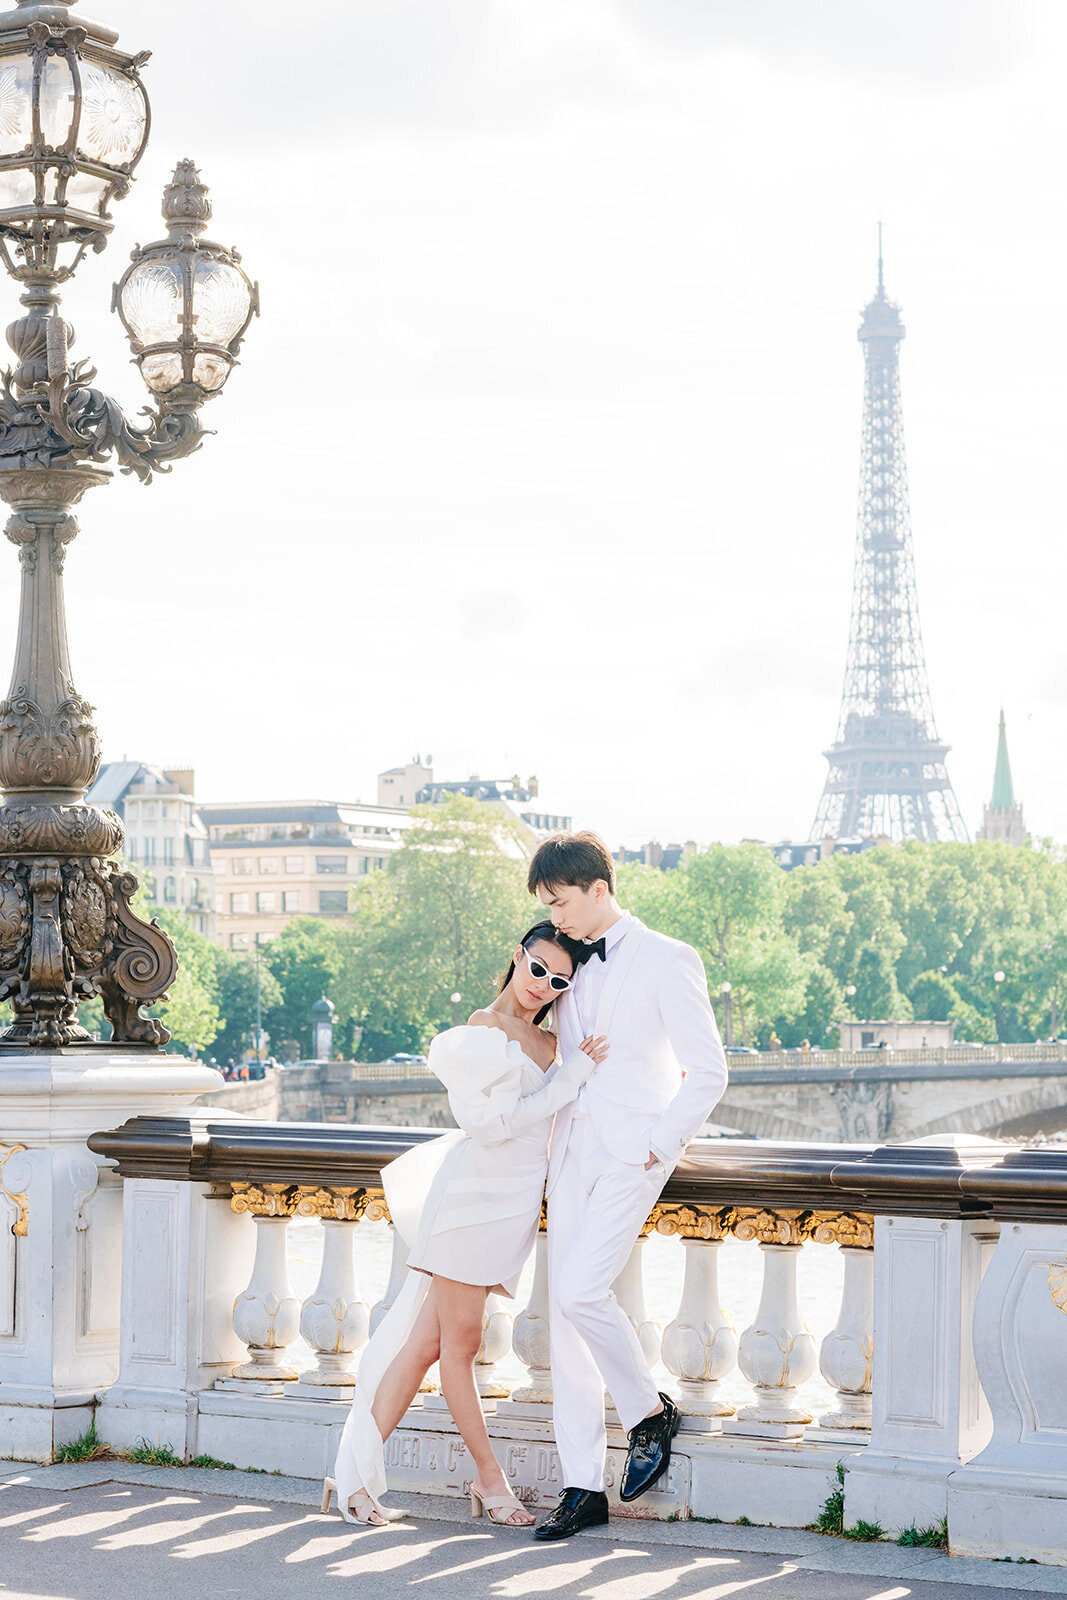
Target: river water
(819, 1291)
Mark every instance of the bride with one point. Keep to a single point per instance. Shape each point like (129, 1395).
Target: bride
(470, 1203)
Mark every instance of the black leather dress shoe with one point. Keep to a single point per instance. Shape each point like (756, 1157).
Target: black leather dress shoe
(577, 1509)
(649, 1454)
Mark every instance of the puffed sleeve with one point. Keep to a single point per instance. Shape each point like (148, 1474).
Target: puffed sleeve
(481, 1068)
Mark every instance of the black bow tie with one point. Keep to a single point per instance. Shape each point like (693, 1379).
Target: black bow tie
(592, 947)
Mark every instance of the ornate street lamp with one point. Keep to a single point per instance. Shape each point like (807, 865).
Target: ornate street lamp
(74, 121)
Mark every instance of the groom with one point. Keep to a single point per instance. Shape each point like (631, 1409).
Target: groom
(612, 1151)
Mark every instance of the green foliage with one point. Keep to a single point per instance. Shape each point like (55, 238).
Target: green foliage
(89, 1447)
(935, 1537)
(212, 1461)
(310, 958)
(192, 1012)
(831, 1518)
(236, 977)
(729, 903)
(743, 1522)
(864, 1532)
(153, 1455)
(443, 920)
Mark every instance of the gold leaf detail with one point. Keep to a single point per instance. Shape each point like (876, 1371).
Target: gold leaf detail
(332, 1205)
(768, 1227)
(21, 1225)
(853, 1229)
(693, 1222)
(270, 1200)
(1057, 1283)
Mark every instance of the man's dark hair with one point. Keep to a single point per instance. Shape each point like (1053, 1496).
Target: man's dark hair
(573, 860)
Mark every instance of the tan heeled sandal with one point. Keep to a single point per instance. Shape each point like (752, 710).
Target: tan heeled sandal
(362, 1507)
(491, 1504)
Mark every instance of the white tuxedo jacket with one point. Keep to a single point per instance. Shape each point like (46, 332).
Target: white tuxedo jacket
(665, 1070)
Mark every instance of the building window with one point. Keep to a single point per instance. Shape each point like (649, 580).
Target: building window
(242, 867)
(240, 941)
(364, 863)
(240, 904)
(294, 863)
(168, 852)
(267, 903)
(329, 864)
(170, 890)
(268, 866)
(166, 811)
(149, 852)
(333, 902)
(291, 899)
(262, 939)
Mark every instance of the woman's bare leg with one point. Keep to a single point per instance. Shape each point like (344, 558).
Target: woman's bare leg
(460, 1312)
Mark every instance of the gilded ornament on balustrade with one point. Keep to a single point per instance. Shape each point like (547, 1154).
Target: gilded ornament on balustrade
(377, 1210)
(768, 1227)
(853, 1229)
(264, 1200)
(21, 1225)
(1057, 1283)
(332, 1205)
(693, 1222)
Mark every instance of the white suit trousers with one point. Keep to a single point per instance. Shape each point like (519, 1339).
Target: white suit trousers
(595, 1212)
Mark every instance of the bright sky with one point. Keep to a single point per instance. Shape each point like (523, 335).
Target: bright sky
(544, 455)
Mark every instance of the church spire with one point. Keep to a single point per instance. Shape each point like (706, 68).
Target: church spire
(1003, 821)
(1003, 791)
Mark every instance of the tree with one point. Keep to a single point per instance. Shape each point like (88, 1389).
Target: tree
(192, 1012)
(310, 958)
(728, 902)
(236, 983)
(442, 920)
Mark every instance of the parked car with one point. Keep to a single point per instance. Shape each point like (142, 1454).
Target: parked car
(402, 1058)
(740, 1050)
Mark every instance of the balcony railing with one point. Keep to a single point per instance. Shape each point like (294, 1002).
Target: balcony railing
(221, 1355)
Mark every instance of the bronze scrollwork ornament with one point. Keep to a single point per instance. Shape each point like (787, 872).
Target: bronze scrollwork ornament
(74, 124)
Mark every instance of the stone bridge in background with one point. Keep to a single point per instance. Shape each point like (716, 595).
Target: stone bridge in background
(828, 1095)
(1001, 1091)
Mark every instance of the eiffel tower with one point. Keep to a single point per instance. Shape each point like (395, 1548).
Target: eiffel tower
(887, 766)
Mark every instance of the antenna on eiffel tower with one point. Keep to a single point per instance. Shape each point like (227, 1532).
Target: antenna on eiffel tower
(887, 765)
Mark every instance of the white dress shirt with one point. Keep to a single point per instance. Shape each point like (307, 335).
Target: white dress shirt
(589, 985)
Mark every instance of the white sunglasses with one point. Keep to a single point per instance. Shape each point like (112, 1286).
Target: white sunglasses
(538, 970)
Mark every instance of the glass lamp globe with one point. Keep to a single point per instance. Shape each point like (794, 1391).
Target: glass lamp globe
(184, 301)
(74, 121)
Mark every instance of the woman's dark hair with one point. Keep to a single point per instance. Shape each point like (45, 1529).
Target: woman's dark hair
(541, 933)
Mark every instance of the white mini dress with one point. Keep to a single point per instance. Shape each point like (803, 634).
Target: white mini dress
(467, 1205)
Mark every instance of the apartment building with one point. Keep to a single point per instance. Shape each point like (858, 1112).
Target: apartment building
(276, 860)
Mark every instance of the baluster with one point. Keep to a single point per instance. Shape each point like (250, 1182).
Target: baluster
(496, 1342)
(266, 1316)
(530, 1335)
(335, 1319)
(845, 1356)
(398, 1267)
(777, 1353)
(700, 1345)
(629, 1291)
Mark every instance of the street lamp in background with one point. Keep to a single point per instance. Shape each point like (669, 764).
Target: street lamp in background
(74, 121)
(454, 1000)
(728, 1018)
(850, 995)
(998, 979)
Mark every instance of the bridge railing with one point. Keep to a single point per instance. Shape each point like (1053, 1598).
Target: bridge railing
(941, 1393)
(942, 1055)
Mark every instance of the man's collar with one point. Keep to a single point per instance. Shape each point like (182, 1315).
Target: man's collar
(617, 931)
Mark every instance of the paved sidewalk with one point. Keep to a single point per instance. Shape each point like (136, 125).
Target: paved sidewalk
(94, 1530)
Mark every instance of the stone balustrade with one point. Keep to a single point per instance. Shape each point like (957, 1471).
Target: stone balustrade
(946, 1358)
